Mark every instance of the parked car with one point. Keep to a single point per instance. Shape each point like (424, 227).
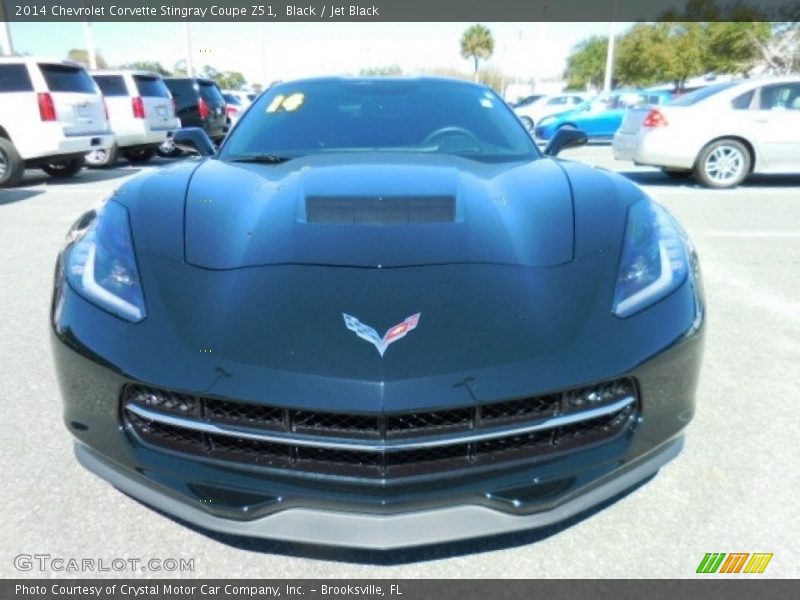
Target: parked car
(526, 100)
(530, 114)
(378, 316)
(601, 116)
(235, 104)
(141, 113)
(198, 103)
(51, 115)
(245, 98)
(720, 134)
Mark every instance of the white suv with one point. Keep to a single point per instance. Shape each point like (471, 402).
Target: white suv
(51, 115)
(142, 115)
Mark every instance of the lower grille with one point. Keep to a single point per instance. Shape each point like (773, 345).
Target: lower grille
(387, 445)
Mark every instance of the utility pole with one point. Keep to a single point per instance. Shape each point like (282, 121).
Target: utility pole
(90, 50)
(261, 25)
(612, 34)
(189, 61)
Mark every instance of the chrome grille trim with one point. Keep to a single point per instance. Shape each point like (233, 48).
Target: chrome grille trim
(333, 443)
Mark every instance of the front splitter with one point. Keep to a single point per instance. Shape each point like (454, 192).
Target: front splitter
(381, 532)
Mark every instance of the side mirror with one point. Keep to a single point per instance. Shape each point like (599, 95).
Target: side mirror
(565, 137)
(194, 141)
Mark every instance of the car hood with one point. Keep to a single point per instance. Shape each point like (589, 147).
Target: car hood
(378, 210)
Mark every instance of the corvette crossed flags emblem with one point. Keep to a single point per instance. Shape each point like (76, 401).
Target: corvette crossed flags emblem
(365, 332)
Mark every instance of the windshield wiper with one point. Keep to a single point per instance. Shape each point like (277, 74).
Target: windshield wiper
(272, 159)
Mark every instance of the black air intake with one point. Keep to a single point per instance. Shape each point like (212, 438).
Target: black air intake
(374, 211)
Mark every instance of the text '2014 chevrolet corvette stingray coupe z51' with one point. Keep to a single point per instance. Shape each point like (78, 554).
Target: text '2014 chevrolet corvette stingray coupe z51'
(378, 316)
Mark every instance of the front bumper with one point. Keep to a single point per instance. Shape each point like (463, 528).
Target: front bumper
(379, 532)
(96, 355)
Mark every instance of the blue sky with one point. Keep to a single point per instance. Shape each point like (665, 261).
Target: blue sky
(268, 51)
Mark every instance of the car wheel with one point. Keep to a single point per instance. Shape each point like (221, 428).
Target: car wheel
(139, 156)
(723, 164)
(12, 166)
(677, 173)
(64, 168)
(527, 122)
(168, 149)
(101, 157)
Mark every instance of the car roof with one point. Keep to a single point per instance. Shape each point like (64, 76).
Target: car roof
(40, 59)
(123, 72)
(203, 79)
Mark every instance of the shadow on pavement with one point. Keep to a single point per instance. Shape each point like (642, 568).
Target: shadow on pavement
(657, 178)
(37, 177)
(405, 555)
(11, 196)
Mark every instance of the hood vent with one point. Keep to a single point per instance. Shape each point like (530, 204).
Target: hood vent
(376, 211)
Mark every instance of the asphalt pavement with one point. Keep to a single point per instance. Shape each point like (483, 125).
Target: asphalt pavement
(733, 489)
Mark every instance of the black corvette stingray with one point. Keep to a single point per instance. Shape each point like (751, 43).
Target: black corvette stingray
(378, 316)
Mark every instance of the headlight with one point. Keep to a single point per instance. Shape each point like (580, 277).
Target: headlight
(101, 265)
(654, 259)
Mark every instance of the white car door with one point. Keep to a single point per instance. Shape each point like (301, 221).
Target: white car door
(776, 126)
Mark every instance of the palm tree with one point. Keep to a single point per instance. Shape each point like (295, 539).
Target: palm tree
(477, 43)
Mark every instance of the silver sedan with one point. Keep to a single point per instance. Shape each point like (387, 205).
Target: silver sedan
(718, 134)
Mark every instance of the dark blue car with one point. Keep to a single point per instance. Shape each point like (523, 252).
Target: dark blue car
(601, 116)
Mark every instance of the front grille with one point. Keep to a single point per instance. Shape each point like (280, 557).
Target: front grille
(385, 445)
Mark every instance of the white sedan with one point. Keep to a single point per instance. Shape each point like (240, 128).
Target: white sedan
(720, 134)
(532, 113)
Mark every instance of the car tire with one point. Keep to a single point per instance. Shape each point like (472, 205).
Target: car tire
(527, 122)
(12, 167)
(677, 173)
(139, 156)
(168, 149)
(64, 168)
(103, 157)
(723, 164)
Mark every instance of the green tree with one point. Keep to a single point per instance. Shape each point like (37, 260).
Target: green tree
(180, 69)
(79, 55)
(734, 47)
(257, 88)
(147, 65)
(477, 43)
(230, 80)
(208, 72)
(586, 63)
(652, 53)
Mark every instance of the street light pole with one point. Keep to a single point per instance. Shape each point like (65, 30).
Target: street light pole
(612, 34)
(189, 61)
(90, 45)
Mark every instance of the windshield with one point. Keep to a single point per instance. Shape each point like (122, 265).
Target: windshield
(425, 116)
